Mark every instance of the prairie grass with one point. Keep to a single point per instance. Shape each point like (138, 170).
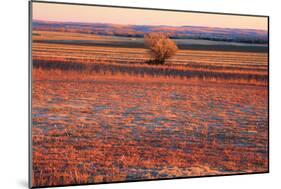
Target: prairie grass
(100, 114)
(149, 71)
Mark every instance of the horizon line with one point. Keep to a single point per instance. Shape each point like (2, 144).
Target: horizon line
(84, 22)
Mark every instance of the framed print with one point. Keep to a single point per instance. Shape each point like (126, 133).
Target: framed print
(122, 94)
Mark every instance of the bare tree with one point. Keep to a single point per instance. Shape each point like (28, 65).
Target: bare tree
(161, 47)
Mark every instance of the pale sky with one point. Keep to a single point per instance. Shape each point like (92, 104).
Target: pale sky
(95, 14)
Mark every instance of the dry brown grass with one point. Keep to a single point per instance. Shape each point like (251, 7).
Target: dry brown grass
(148, 72)
(104, 119)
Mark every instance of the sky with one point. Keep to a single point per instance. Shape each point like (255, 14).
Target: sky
(94, 14)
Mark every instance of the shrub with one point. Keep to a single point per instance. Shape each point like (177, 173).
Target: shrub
(161, 47)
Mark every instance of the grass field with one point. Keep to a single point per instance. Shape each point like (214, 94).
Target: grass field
(101, 114)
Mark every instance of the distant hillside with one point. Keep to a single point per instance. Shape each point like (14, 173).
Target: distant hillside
(175, 32)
